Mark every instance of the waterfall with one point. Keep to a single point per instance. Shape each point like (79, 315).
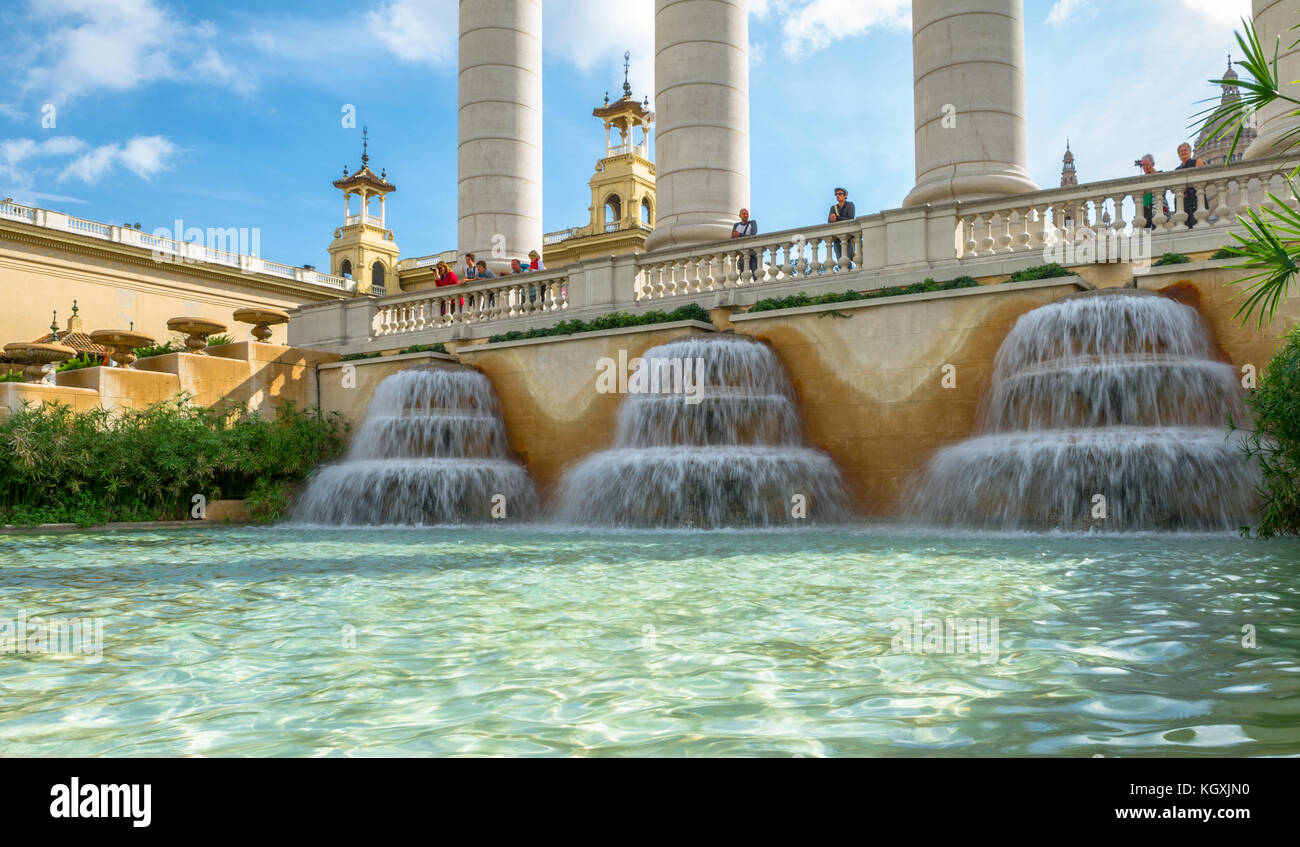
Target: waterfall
(1107, 411)
(730, 454)
(432, 450)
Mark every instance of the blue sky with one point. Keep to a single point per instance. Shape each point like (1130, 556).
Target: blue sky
(229, 115)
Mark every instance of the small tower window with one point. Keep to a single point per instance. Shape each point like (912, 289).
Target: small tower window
(645, 211)
(377, 275)
(613, 209)
(345, 269)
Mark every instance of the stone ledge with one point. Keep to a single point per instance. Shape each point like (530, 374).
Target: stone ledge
(118, 525)
(398, 357)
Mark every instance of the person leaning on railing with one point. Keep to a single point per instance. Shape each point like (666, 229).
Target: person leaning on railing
(1189, 194)
(843, 210)
(1148, 165)
(744, 228)
(444, 275)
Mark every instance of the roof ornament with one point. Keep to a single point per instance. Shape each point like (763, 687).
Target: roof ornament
(54, 326)
(627, 67)
(365, 142)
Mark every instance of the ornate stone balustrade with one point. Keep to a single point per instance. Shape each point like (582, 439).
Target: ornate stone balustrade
(540, 293)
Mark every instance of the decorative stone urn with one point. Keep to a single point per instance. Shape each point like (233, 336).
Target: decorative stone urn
(264, 318)
(36, 356)
(196, 332)
(123, 343)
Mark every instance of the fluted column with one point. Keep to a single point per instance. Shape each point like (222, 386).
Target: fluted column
(968, 72)
(499, 126)
(1274, 19)
(702, 119)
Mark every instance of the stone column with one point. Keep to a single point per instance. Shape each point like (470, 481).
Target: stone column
(1273, 19)
(968, 86)
(499, 126)
(702, 119)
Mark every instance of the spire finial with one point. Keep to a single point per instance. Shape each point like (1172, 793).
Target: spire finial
(627, 67)
(54, 325)
(365, 142)
(74, 308)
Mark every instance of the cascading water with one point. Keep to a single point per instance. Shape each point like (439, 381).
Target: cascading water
(432, 450)
(1107, 411)
(730, 454)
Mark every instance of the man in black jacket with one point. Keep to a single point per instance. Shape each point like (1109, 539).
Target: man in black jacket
(743, 229)
(843, 210)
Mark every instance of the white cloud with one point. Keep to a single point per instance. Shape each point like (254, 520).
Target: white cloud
(1065, 11)
(594, 35)
(1225, 14)
(819, 23)
(142, 155)
(115, 45)
(17, 155)
(424, 31)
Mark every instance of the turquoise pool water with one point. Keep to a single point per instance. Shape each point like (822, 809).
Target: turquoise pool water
(528, 641)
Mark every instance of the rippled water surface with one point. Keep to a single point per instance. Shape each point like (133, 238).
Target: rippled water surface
(544, 642)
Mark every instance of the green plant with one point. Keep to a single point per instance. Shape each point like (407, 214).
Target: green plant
(1275, 440)
(795, 301)
(1271, 245)
(616, 320)
(1049, 271)
(85, 360)
(1171, 259)
(147, 464)
(1225, 253)
(424, 348)
(353, 357)
(217, 340)
(168, 346)
(11, 375)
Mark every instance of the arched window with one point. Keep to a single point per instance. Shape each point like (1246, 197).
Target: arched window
(377, 275)
(345, 269)
(645, 212)
(613, 210)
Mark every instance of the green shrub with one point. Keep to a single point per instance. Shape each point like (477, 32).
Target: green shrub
(794, 301)
(1049, 271)
(158, 349)
(352, 357)
(1171, 259)
(85, 360)
(617, 320)
(1275, 441)
(424, 348)
(1225, 253)
(218, 340)
(98, 466)
(11, 375)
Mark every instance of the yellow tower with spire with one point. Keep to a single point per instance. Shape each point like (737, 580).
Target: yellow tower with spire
(363, 248)
(622, 188)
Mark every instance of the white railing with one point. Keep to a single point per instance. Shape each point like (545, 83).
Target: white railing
(371, 220)
(186, 251)
(563, 235)
(448, 256)
(818, 253)
(1171, 202)
(477, 301)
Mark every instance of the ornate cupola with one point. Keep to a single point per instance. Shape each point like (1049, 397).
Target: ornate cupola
(363, 248)
(1215, 150)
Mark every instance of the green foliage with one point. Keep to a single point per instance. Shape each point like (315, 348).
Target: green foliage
(11, 375)
(85, 360)
(795, 301)
(1049, 271)
(218, 340)
(424, 348)
(1225, 253)
(1275, 441)
(128, 465)
(353, 357)
(168, 346)
(1271, 245)
(1171, 259)
(617, 320)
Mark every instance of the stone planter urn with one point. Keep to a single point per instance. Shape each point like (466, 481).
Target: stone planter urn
(36, 356)
(263, 318)
(123, 343)
(196, 332)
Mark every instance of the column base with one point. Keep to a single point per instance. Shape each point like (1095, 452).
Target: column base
(967, 187)
(686, 234)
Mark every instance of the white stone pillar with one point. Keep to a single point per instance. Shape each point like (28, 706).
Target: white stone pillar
(968, 88)
(499, 125)
(702, 119)
(1273, 20)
